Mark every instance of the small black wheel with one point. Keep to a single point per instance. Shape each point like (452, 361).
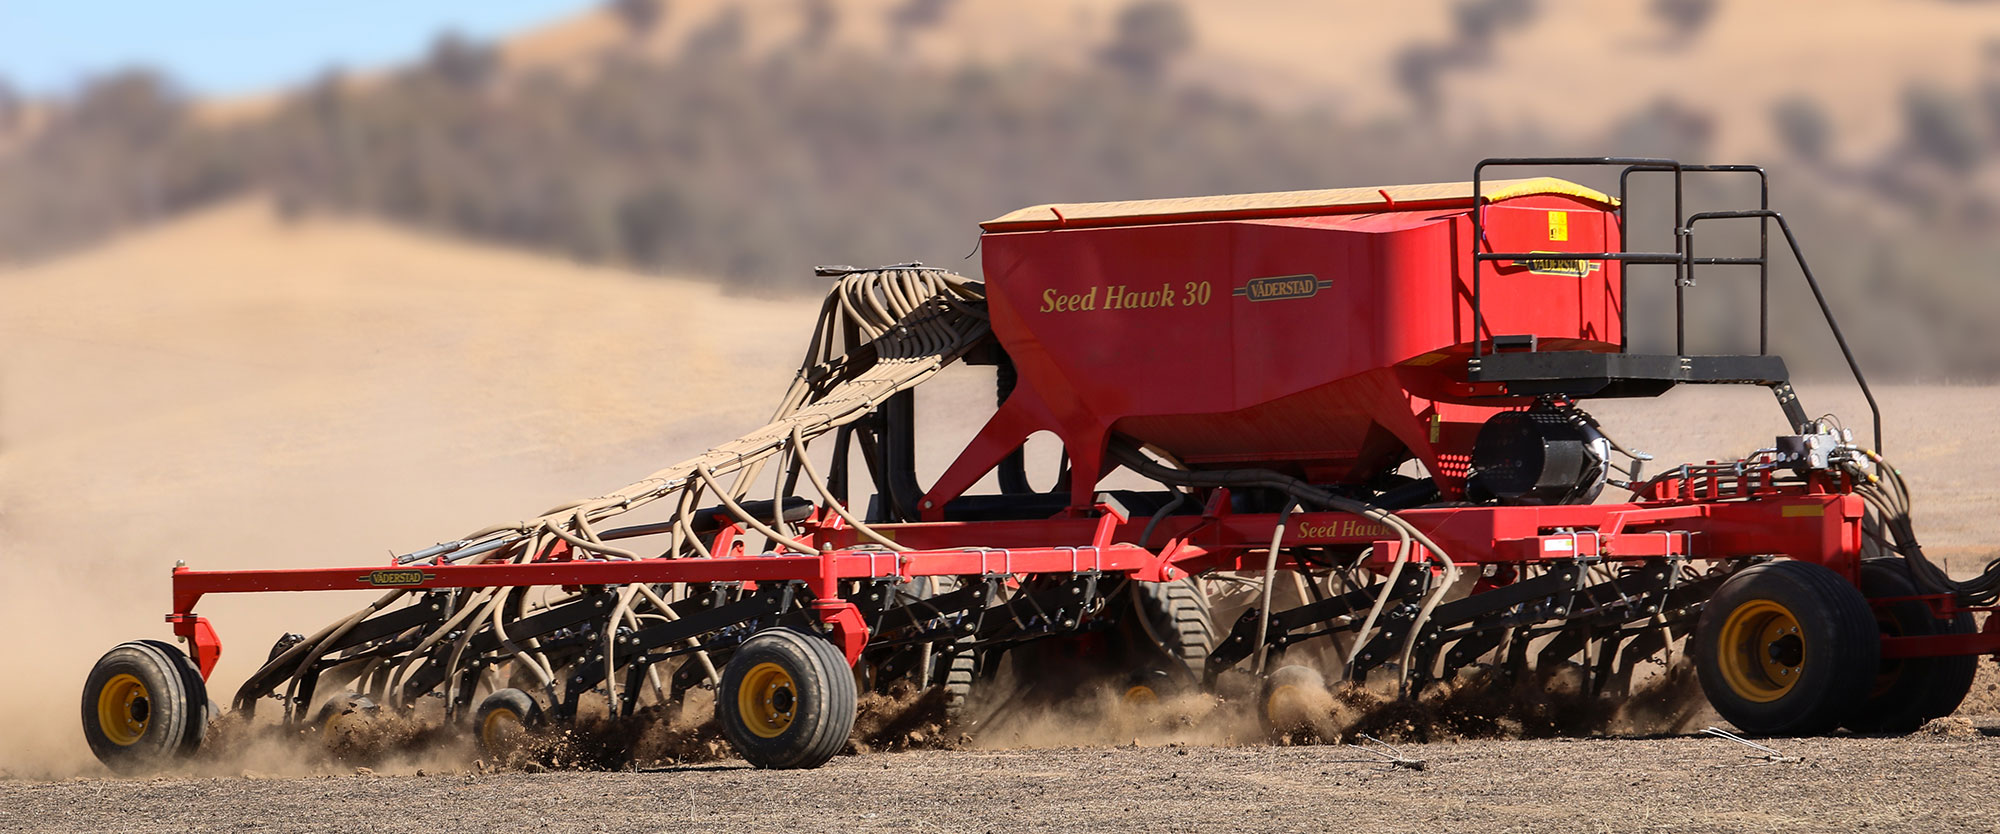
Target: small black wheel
(787, 700)
(1291, 696)
(1910, 691)
(143, 706)
(1148, 687)
(504, 719)
(1786, 648)
(344, 714)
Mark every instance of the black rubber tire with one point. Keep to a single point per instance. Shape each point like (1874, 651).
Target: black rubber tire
(506, 702)
(1148, 687)
(1838, 648)
(346, 703)
(961, 674)
(822, 691)
(1302, 683)
(1178, 613)
(1910, 691)
(196, 691)
(166, 707)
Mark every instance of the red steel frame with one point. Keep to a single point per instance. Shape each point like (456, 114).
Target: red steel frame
(1820, 523)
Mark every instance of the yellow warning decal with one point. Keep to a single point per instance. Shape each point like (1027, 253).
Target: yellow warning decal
(1559, 225)
(1803, 511)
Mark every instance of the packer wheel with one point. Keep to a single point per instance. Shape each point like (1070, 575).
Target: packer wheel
(1147, 688)
(503, 718)
(1907, 692)
(343, 714)
(1174, 617)
(787, 700)
(1786, 648)
(1290, 697)
(961, 675)
(144, 704)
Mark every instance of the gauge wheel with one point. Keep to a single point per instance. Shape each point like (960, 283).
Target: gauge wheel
(1148, 687)
(961, 675)
(787, 700)
(1176, 619)
(343, 714)
(1909, 691)
(143, 706)
(1290, 697)
(1787, 648)
(504, 718)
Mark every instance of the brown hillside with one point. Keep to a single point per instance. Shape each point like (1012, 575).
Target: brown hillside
(1577, 67)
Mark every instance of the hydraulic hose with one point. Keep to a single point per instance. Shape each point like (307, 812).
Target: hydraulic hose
(880, 333)
(1130, 456)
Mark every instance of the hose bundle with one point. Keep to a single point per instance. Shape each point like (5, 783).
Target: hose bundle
(1882, 486)
(880, 332)
(1299, 492)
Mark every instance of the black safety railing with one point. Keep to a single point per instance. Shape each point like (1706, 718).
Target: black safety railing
(1685, 278)
(1682, 258)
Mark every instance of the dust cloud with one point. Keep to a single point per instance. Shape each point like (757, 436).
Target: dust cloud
(1477, 705)
(233, 392)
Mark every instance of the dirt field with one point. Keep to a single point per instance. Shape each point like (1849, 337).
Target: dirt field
(233, 392)
(1679, 784)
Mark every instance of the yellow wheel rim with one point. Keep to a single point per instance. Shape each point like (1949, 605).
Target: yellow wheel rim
(1762, 651)
(124, 708)
(1141, 695)
(767, 699)
(1280, 695)
(499, 727)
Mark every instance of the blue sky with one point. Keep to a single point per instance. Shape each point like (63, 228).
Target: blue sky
(221, 47)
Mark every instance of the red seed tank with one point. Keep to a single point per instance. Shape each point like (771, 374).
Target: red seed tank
(1324, 333)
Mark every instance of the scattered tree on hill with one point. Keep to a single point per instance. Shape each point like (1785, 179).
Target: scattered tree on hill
(137, 107)
(1478, 23)
(460, 61)
(819, 18)
(1989, 87)
(1419, 68)
(1665, 128)
(1802, 127)
(915, 15)
(1150, 35)
(1684, 18)
(1939, 126)
(10, 106)
(641, 17)
(722, 36)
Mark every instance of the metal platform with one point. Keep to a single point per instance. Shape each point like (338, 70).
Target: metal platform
(1579, 374)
